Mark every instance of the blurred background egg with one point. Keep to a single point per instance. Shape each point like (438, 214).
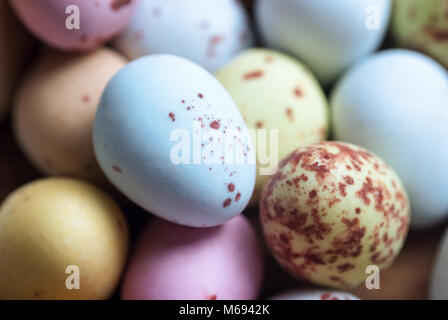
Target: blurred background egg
(173, 262)
(332, 210)
(54, 21)
(55, 109)
(423, 26)
(276, 92)
(51, 224)
(395, 104)
(439, 277)
(314, 294)
(15, 48)
(178, 148)
(328, 36)
(207, 32)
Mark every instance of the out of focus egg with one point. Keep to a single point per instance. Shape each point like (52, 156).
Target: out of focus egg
(169, 136)
(328, 36)
(61, 239)
(278, 94)
(395, 103)
(174, 262)
(422, 25)
(55, 109)
(15, 47)
(314, 294)
(332, 210)
(207, 32)
(439, 278)
(75, 25)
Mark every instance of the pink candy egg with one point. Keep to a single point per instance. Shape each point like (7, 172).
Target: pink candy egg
(75, 25)
(173, 262)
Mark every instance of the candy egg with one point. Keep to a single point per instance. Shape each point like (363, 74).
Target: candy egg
(422, 25)
(15, 45)
(75, 25)
(207, 32)
(220, 263)
(395, 104)
(60, 239)
(328, 36)
(315, 294)
(278, 94)
(55, 108)
(439, 278)
(332, 210)
(169, 136)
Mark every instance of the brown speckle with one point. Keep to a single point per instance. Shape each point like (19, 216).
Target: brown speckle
(119, 4)
(253, 74)
(227, 203)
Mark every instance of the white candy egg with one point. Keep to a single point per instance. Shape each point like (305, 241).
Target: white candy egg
(328, 36)
(169, 136)
(207, 32)
(395, 104)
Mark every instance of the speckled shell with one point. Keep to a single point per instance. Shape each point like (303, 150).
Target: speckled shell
(315, 294)
(175, 262)
(146, 111)
(395, 103)
(331, 210)
(274, 91)
(100, 20)
(207, 32)
(328, 36)
(422, 25)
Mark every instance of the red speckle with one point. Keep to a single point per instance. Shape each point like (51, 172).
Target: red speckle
(342, 189)
(358, 210)
(231, 187)
(172, 116)
(437, 35)
(290, 114)
(259, 124)
(183, 101)
(212, 43)
(85, 98)
(254, 74)
(325, 296)
(313, 194)
(298, 92)
(237, 197)
(212, 297)
(201, 96)
(345, 267)
(215, 125)
(227, 203)
(118, 4)
(117, 169)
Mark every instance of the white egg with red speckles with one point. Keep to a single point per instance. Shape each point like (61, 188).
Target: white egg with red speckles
(331, 210)
(169, 136)
(315, 294)
(207, 32)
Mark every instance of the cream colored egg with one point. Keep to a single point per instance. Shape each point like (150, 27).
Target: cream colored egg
(331, 211)
(57, 234)
(55, 108)
(15, 46)
(422, 25)
(278, 94)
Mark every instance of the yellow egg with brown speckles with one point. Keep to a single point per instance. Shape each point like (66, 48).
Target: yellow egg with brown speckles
(61, 239)
(279, 94)
(334, 213)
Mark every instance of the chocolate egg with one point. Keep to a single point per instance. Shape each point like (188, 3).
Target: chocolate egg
(332, 210)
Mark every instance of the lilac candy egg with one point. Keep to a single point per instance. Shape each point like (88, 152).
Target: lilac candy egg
(173, 262)
(75, 25)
